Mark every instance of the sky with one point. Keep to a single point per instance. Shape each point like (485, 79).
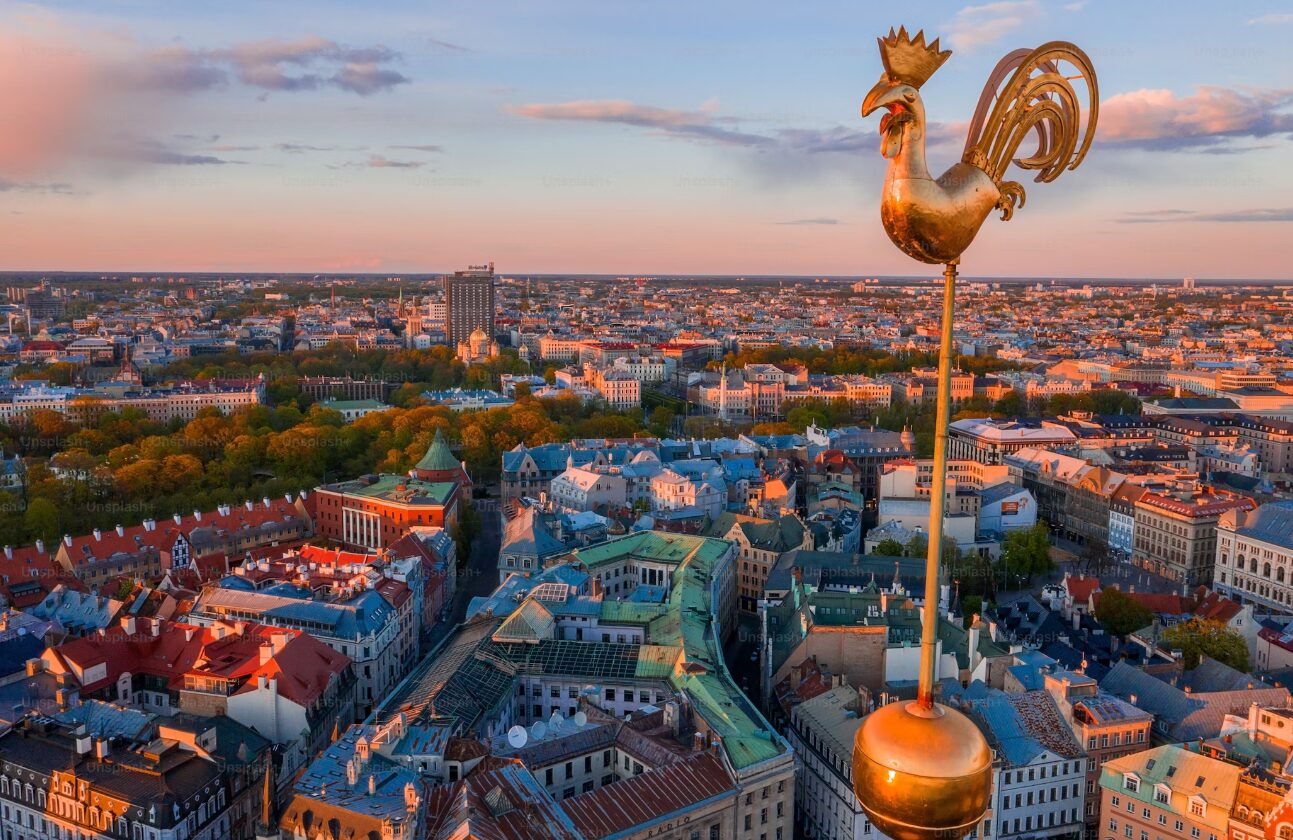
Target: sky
(617, 137)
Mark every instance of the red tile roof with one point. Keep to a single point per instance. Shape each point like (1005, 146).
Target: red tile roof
(302, 665)
(1081, 587)
(658, 793)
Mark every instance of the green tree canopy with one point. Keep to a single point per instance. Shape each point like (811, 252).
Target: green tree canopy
(1201, 637)
(1120, 613)
(1027, 552)
(889, 547)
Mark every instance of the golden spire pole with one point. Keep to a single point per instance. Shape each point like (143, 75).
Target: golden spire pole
(937, 497)
(922, 770)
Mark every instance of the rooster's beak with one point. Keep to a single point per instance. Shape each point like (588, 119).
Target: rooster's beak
(877, 97)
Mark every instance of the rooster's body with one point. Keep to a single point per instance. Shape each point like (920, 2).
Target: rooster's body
(935, 219)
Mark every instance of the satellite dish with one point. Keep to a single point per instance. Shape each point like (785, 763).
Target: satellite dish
(516, 737)
(555, 722)
(539, 730)
(581, 719)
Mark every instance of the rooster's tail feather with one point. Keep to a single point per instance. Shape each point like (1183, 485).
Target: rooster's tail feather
(1037, 98)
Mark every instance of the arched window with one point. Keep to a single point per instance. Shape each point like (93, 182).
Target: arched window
(1279, 575)
(1286, 832)
(1266, 571)
(1252, 565)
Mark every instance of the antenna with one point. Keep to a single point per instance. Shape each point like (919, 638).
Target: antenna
(516, 737)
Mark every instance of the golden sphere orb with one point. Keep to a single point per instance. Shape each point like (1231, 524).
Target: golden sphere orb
(921, 773)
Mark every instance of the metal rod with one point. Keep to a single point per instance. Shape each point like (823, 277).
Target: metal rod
(937, 493)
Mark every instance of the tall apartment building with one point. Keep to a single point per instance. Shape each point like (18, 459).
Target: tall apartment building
(990, 441)
(469, 303)
(1176, 532)
(1255, 555)
(1169, 793)
(1107, 726)
(57, 781)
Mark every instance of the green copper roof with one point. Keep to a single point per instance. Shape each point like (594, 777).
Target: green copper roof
(438, 457)
(388, 488)
(747, 736)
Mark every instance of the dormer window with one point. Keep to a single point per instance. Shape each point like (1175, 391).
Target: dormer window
(1162, 794)
(1198, 807)
(1131, 783)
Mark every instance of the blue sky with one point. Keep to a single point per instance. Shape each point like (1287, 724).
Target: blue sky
(614, 137)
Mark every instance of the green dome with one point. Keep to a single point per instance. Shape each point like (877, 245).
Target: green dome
(438, 457)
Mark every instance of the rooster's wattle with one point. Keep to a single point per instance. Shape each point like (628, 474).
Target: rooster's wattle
(935, 220)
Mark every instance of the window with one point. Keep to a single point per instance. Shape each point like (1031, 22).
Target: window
(1130, 783)
(1161, 795)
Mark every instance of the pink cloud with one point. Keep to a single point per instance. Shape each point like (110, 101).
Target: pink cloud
(72, 97)
(48, 91)
(700, 125)
(1159, 119)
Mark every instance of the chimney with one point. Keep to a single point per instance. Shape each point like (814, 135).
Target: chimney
(265, 499)
(250, 505)
(121, 532)
(40, 546)
(372, 785)
(128, 624)
(83, 742)
(179, 520)
(150, 524)
(197, 514)
(8, 552)
(102, 748)
(266, 653)
(67, 539)
(1252, 720)
(155, 627)
(98, 535)
(698, 742)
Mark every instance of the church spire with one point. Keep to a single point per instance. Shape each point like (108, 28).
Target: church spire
(267, 825)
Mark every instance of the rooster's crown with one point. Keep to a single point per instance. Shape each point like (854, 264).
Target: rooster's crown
(908, 59)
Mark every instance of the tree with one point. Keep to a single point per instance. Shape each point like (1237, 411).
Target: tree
(41, 520)
(1201, 637)
(1027, 552)
(464, 533)
(661, 421)
(1120, 613)
(888, 547)
(778, 428)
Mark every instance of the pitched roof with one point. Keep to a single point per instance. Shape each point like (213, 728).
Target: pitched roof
(438, 457)
(302, 665)
(1271, 523)
(645, 798)
(1182, 716)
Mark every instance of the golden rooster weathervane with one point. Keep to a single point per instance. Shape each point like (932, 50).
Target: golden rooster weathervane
(921, 769)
